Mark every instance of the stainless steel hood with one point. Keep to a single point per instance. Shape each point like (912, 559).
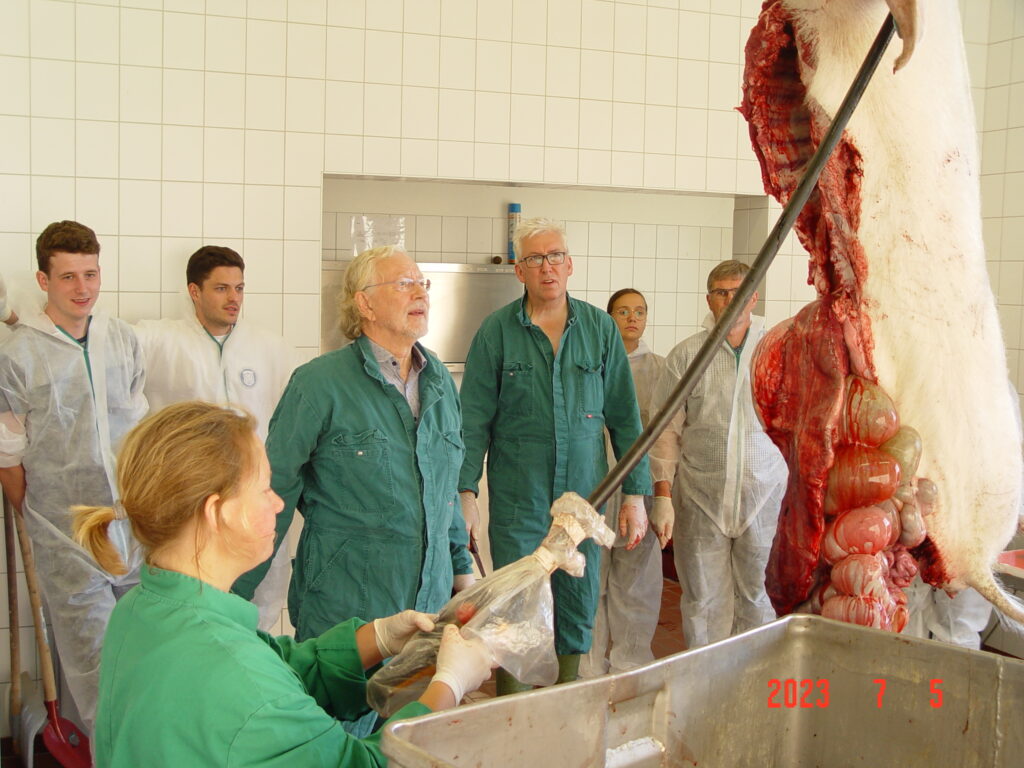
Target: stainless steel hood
(461, 296)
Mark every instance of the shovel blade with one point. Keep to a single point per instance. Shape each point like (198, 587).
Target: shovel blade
(68, 745)
(33, 717)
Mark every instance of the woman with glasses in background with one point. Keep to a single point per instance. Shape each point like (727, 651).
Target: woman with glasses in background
(631, 578)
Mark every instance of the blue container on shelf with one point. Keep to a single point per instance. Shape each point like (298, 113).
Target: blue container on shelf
(514, 214)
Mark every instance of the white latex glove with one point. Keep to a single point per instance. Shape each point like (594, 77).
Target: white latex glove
(463, 581)
(462, 664)
(632, 520)
(470, 513)
(663, 517)
(393, 632)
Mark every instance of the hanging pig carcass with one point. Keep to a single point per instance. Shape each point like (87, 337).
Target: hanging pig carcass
(888, 395)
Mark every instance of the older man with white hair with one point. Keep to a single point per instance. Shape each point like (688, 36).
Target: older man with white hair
(367, 443)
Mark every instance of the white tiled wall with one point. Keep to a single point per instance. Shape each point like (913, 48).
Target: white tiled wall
(587, 91)
(662, 245)
(174, 122)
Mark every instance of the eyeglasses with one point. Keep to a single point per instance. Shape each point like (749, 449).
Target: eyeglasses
(639, 313)
(536, 259)
(404, 285)
(723, 293)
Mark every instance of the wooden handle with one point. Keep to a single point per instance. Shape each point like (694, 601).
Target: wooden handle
(12, 612)
(45, 660)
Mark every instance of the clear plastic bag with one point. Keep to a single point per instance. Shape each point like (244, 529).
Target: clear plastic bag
(511, 610)
(374, 231)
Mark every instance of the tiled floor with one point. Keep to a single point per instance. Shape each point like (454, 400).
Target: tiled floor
(668, 637)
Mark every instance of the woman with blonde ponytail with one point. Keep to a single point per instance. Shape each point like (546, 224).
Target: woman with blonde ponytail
(185, 676)
(91, 525)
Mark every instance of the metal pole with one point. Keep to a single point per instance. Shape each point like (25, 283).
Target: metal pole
(757, 272)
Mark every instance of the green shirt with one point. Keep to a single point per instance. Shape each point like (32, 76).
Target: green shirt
(187, 680)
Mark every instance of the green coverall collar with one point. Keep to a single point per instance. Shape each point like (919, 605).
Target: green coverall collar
(370, 364)
(430, 382)
(177, 587)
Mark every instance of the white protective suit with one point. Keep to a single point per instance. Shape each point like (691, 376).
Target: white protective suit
(63, 411)
(631, 580)
(251, 369)
(728, 479)
(957, 620)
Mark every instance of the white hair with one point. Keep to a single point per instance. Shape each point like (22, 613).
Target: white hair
(532, 227)
(360, 273)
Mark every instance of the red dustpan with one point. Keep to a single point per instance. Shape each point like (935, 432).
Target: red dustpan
(63, 739)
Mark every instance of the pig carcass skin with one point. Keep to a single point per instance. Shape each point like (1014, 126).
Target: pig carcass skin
(905, 309)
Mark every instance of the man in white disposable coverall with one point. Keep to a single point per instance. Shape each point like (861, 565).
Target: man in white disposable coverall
(729, 478)
(213, 355)
(71, 386)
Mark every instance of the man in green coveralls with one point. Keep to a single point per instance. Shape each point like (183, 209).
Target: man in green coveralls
(544, 377)
(366, 442)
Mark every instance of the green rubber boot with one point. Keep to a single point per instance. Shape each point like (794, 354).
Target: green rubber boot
(568, 668)
(505, 684)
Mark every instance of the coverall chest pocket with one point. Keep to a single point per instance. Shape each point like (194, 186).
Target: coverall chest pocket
(454, 453)
(516, 393)
(365, 482)
(120, 403)
(591, 388)
(695, 402)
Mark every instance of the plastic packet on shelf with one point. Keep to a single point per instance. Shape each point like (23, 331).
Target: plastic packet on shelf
(511, 610)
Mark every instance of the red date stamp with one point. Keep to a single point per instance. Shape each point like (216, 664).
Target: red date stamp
(790, 693)
(810, 693)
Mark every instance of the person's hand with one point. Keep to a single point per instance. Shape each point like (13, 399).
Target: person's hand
(463, 581)
(632, 520)
(393, 632)
(663, 517)
(470, 513)
(462, 664)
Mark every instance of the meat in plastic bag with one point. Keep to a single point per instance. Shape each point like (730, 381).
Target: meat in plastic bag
(511, 610)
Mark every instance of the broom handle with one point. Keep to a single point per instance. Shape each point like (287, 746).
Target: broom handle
(12, 609)
(45, 660)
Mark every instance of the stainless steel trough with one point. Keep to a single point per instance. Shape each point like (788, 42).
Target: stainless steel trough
(802, 691)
